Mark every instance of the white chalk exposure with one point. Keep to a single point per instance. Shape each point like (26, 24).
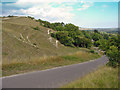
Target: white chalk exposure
(24, 41)
(28, 39)
(50, 39)
(22, 36)
(56, 43)
(48, 31)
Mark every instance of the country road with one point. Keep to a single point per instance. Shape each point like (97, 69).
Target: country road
(52, 78)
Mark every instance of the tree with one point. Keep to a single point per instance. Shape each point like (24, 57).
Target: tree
(63, 37)
(97, 43)
(114, 56)
(105, 36)
(53, 35)
(118, 42)
(30, 17)
(96, 31)
(104, 44)
(59, 28)
(82, 42)
(72, 34)
(87, 35)
(96, 36)
(71, 27)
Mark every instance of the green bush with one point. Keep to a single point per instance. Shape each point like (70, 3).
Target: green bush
(96, 36)
(30, 17)
(10, 16)
(114, 56)
(63, 37)
(53, 35)
(92, 51)
(82, 42)
(36, 28)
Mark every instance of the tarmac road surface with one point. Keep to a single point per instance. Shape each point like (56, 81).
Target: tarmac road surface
(52, 78)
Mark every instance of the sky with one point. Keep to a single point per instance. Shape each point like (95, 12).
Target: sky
(87, 13)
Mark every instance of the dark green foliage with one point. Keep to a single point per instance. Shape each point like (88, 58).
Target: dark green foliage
(67, 34)
(96, 36)
(92, 51)
(86, 34)
(70, 35)
(53, 35)
(111, 46)
(55, 26)
(59, 28)
(82, 42)
(10, 16)
(118, 42)
(64, 38)
(30, 17)
(71, 27)
(97, 43)
(96, 31)
(104, 44)
(114, 56)
(113, 40)
(105, 36)
(36, 28)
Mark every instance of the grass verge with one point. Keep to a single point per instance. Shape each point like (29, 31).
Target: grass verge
(105, 77)
(34, 64)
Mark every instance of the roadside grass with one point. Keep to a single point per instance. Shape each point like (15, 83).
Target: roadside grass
(104, 77)
(40, 63)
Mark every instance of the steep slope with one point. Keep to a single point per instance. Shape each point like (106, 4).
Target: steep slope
(21, 41)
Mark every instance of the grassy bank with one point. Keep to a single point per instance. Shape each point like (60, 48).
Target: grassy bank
(105, 77)
(34, 64)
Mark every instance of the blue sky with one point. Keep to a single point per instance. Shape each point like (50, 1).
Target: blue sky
(92, 14)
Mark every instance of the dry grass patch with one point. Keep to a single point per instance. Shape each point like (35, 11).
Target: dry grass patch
(105, 77)
(40, 63)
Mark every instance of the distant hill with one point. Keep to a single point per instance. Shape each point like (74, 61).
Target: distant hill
(21, 41)
(108, 30)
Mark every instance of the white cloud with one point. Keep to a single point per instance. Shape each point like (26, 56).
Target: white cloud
(44, 10)
(47, 12)
(85, 5)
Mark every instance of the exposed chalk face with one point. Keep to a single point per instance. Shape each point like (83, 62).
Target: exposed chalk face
(48, 31)
(56, 43)
(28, 39)
(22, 36)
(25, 41)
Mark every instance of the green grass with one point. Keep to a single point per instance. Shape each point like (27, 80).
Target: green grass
(105, 77)
(37, 63)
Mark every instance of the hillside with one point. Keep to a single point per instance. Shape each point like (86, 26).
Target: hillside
(27, 46)
(21, 41)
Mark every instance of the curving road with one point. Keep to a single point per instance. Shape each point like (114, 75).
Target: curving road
(52, 78)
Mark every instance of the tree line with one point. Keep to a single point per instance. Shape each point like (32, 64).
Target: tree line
(70, 35)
